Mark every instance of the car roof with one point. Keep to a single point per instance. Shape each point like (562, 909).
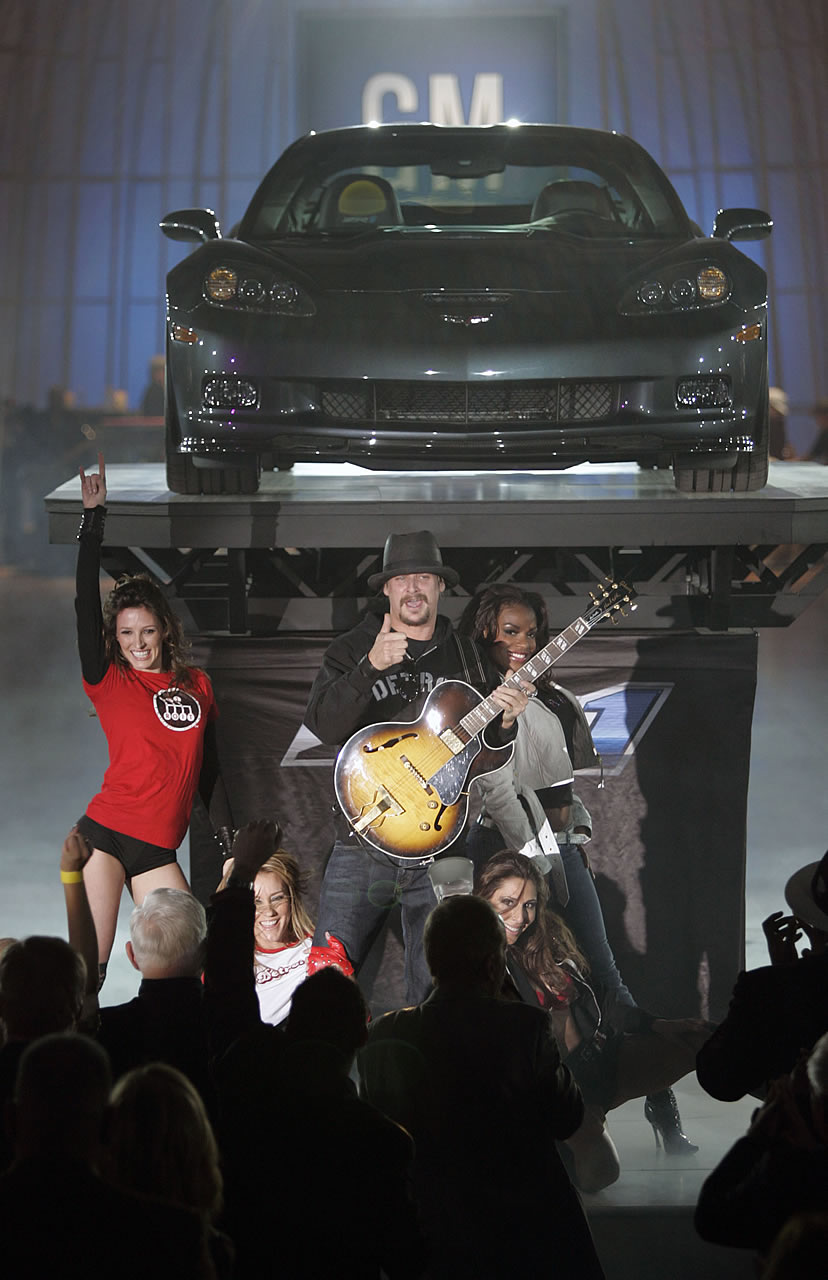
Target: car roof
(425, 128)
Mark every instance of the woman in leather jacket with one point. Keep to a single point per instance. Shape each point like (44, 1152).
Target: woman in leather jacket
(615, 1051)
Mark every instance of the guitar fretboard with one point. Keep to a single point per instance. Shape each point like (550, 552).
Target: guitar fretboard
(476, 720)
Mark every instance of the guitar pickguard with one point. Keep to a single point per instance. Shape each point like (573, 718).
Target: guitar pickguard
(450, 779)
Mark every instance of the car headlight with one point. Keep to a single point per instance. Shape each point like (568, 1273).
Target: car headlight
(221, 284)
(677, 289)
(249, 291)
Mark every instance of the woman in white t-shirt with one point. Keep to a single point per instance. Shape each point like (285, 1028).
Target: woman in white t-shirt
(282, 933)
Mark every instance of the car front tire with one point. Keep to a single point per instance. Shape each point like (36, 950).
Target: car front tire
(183, 476)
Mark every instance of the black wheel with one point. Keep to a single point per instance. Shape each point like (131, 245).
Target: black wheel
(702, 479)
(751, 470)
(183, 476)
(240, 479)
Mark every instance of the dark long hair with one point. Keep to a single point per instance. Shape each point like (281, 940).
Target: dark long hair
(140, 592)
(548, 941)
(479, 618)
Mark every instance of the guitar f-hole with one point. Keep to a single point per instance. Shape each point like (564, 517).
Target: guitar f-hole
(383, 746)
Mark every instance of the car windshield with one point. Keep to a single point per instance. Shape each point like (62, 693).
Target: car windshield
(370, 181)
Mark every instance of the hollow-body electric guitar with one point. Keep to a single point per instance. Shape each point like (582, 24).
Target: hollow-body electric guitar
(404, 787)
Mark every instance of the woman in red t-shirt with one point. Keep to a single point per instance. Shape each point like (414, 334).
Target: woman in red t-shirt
(157, 713)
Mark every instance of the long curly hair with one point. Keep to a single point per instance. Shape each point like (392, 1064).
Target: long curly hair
(479, 618)
(140, 592)
(548, 942)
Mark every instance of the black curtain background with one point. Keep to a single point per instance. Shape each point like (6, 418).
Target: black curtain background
(668, 848)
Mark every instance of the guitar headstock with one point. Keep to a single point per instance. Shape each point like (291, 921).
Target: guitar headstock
(611, 600)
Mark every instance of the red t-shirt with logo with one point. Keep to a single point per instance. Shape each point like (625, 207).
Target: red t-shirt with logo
(155, 733)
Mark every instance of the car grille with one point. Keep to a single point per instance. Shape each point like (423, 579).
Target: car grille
(471, 403)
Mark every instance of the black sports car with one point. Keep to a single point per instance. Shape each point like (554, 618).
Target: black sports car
(419, 296)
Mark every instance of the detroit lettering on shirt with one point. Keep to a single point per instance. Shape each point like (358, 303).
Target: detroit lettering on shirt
(409, 681)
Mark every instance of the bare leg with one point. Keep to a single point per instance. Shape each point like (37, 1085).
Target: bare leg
(104, 878)
(596, 1159)
(169, 877)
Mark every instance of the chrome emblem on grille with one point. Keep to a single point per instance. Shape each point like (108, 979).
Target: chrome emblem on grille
(466, 309)
(452, 317)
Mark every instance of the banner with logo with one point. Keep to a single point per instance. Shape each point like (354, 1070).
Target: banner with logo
(359, 68)
(671, 717)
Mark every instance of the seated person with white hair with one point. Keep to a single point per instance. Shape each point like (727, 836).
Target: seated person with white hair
(165, 1022)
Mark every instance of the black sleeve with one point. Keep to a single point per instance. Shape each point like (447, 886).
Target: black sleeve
(211, 786)
(229, 984)
(88, 597)
(341, 693)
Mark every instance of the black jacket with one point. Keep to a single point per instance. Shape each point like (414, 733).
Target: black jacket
(348, 693)
(775, 1012)
(479, 1084)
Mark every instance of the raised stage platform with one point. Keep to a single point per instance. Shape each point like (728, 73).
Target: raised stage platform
(296, 555)
(295, 558)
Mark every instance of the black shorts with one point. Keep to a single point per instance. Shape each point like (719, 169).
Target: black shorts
(135, 856)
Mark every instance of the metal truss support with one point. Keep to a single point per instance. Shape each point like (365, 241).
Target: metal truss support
(264, 591)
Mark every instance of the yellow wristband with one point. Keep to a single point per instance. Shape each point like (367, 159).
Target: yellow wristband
(72, 877)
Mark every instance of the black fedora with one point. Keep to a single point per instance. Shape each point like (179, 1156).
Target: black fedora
(806, 893)
(412, 553)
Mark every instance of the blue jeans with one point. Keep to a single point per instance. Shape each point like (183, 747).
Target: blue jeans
(359, 888)
(585, 918)
(582, 913)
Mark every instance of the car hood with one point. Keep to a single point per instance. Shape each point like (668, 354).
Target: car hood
(535, 261)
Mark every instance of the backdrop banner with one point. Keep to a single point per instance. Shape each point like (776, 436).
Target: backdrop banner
(671, 717)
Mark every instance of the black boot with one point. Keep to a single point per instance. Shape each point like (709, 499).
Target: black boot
(661, 1109)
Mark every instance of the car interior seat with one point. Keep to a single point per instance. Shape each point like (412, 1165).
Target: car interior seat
(359, 200)
(571, 196)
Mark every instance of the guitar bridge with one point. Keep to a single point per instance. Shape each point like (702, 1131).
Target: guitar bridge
(384, 803)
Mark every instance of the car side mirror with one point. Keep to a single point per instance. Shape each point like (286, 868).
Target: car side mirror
(200, 225)
(742, 224)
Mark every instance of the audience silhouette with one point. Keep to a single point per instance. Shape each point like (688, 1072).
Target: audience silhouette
(779, 1009)
(57, 1214)
(779, 1167)
(332, 1147)
(479, 1084)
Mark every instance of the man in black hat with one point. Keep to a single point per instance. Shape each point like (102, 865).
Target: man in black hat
(369, 675)
(780, 1009)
